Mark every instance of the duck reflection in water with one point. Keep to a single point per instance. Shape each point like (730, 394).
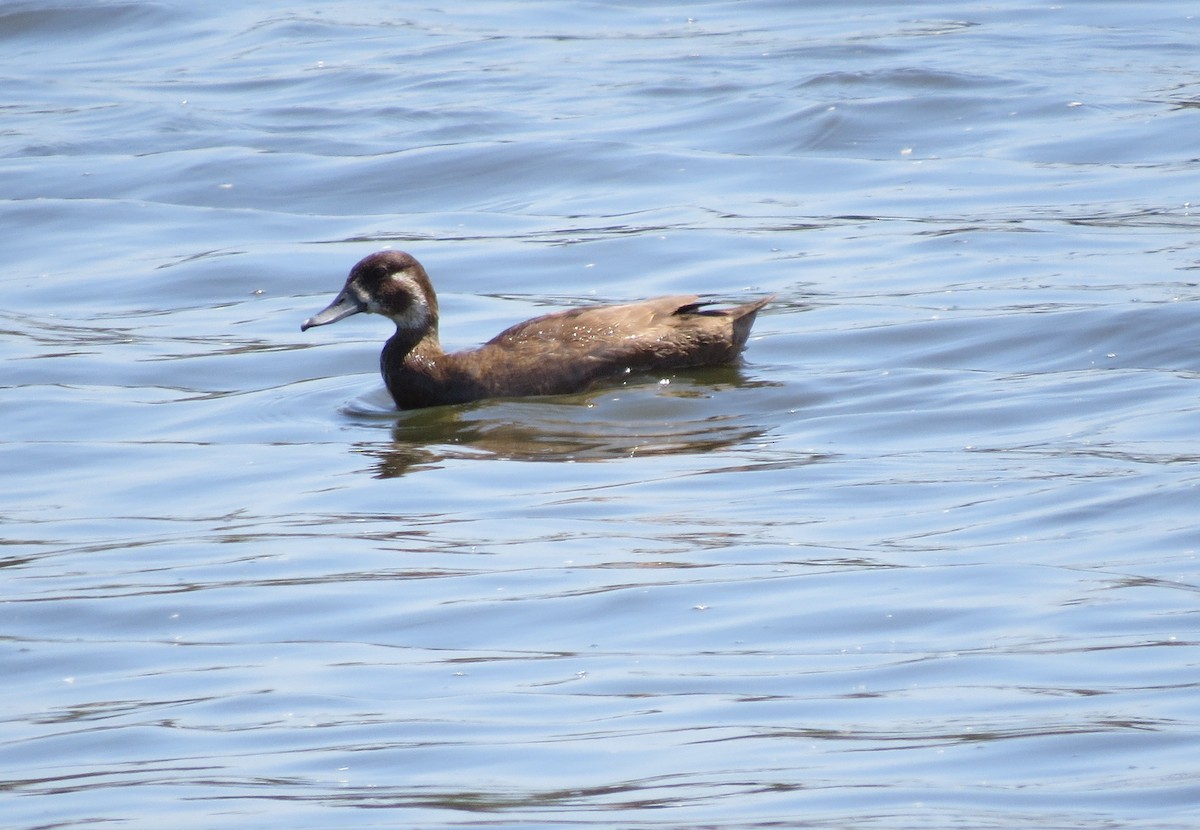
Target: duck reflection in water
(697, 412)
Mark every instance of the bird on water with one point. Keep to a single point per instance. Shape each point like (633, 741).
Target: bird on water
(559, 353)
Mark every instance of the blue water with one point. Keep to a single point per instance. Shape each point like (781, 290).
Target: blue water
(927, 559)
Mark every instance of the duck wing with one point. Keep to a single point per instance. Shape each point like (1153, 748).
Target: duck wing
(580, 330)
(568, 351)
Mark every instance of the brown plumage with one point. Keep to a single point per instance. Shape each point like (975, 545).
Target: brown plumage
(555, 354)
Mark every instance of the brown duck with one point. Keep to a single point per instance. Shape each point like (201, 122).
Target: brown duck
(563, 352)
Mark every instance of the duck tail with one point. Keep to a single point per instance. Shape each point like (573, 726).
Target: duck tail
(743, 317)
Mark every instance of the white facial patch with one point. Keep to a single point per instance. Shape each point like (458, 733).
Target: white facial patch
(416, 316)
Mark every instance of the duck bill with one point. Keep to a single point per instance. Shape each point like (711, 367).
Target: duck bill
(343, 306)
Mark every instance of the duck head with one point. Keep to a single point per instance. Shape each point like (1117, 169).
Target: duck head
(391, 283)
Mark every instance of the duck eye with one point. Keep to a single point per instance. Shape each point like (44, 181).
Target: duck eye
(380, 276)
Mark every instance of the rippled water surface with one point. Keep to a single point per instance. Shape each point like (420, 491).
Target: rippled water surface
(926, 559)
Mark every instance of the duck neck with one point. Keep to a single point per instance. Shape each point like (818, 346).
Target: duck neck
(411, 367)
(406, 341)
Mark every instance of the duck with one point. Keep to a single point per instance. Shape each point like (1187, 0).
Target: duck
(560, 353)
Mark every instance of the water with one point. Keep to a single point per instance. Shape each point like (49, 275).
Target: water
(927, 559)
